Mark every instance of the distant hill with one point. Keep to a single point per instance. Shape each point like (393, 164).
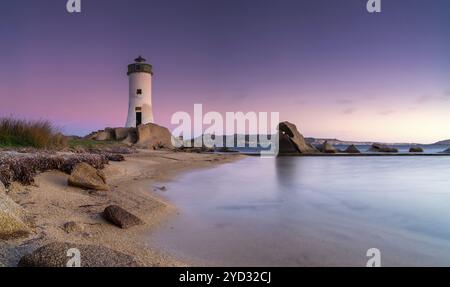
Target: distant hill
(446, 142)
(246, 140)
(320, 141)
(243, 140)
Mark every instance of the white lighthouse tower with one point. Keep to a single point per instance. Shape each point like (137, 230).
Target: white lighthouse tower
(140, 91)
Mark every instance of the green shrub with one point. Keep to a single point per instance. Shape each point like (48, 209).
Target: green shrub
(23, 133)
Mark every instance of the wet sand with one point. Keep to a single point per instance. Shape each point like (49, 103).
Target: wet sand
(51, 203)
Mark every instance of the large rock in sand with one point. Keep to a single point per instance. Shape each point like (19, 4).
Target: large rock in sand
(352, 149)
(11, 223)
(87, 177)
(55, 255)
(292, 141)
(153, 136)
(120, 217)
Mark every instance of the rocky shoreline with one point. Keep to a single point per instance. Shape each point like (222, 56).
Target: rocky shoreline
(292, 143)
(42, 213)
(100, 201)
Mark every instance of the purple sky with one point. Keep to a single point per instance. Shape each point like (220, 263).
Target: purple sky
(328, 66)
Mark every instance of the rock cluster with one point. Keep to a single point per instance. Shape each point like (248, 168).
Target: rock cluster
(150, 136)
(382, 148)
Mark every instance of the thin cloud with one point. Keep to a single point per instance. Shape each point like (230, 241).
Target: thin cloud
(386, 112)
(302, 102)
(445, 96)
(344, 101)
(349, 111)
(424, 99)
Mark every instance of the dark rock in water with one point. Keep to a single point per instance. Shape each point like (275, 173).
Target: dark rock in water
(416, 149)
(161, 188)
(225, 149)
(87, 177)
(328, 148)
(352, 149)
(120, 217)
(447, 150)
(292, 141)
(382, 148)
(286, 146)
(56, 255)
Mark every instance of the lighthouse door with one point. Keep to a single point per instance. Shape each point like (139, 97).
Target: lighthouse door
(138, 118)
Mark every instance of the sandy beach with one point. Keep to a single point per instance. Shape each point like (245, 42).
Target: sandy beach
(135, 185)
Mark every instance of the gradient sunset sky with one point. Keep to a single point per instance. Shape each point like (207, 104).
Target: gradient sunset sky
(328, 66)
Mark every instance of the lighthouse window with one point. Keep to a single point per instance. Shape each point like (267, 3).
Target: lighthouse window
(139, 92)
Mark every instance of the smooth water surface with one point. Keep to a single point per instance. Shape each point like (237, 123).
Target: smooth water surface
(312, 211)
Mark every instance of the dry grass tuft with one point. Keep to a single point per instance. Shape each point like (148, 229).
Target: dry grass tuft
(22, 133)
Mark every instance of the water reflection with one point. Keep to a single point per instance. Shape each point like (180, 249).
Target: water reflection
(286, 169)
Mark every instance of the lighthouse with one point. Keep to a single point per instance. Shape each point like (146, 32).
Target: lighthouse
(140, 93)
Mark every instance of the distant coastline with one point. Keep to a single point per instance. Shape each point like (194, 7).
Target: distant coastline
(249, 139)
(319, 141)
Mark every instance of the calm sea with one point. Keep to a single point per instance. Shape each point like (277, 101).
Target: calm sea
(312, 211)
